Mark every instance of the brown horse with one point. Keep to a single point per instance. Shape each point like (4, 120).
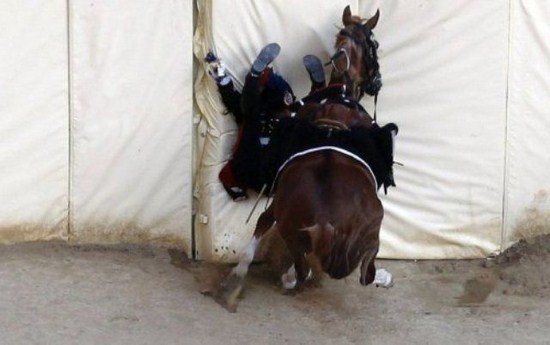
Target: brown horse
(355, 62)
(326, 200)
(355, 72)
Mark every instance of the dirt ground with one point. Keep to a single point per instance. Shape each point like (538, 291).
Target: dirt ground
(54, 293)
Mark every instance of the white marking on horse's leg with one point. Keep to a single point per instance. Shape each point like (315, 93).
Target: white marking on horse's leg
(289, 278)
(246, 258)
(383, 278)
(309, 275)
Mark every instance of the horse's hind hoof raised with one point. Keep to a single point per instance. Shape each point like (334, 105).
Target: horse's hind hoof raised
(224, 287)
(231, 289)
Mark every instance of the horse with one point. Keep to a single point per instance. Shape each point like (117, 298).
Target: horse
(356, 60)
(355, 71)
(326, 200)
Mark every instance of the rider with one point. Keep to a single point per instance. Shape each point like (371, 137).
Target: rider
(265, 98)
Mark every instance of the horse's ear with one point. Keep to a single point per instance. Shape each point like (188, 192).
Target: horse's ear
(346, 16)
(371, 23)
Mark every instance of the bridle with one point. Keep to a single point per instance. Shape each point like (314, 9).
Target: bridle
(364, 38)
(340, 52)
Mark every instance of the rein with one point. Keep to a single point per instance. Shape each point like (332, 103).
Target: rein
(375, 103)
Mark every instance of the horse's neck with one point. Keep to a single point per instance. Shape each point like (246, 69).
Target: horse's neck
(351, 89)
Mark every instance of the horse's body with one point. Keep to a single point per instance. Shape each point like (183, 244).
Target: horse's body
(326, 204)
(326, 200)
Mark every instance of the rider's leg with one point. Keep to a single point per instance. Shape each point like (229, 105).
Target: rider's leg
(252, 89)
(315, 70)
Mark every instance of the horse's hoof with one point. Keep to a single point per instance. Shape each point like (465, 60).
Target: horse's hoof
(207, 291)
(299, 287)
(288, 281)
(230, 290)
(383, 278)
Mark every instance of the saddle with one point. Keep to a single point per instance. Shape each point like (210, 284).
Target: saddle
(336, 93)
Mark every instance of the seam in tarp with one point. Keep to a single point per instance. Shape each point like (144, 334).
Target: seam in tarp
(70, 122)
(504, 222)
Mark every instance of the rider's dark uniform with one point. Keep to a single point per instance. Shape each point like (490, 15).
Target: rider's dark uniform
(256, 110)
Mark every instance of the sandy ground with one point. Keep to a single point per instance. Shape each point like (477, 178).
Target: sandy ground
(53, 293)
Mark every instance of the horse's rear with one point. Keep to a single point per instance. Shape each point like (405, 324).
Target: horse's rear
(326, 204)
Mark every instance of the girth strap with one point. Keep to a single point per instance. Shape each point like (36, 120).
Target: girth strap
(325, 148)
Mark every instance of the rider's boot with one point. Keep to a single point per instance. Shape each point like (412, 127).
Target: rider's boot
(265, 57)
(315, 70)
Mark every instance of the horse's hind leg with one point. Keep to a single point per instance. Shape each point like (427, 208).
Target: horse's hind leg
(369, 273)
(299, 271)
(289, 279)
(368, 270)
(232, 285)
(265, 222)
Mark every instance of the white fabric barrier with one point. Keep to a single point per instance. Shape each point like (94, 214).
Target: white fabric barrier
(444, 66)
(527, 211)
(33, 120)
(96, 110)
(131, 106)
(109, 152)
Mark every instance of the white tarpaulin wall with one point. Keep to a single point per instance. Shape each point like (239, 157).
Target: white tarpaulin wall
(96, 121)
(34, 130)
(467, 82)
(96, 118)
(527, 191)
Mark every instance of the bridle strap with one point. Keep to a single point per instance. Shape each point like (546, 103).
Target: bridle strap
(375, 103)
(335, 56)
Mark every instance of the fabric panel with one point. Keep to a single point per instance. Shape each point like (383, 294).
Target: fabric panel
(527, 211)
(33, 121)
(444, 67)
(132, 121)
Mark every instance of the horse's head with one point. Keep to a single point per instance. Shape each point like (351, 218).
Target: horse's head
(355, 62)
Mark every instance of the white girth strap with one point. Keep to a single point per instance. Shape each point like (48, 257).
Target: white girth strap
(324, 148)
